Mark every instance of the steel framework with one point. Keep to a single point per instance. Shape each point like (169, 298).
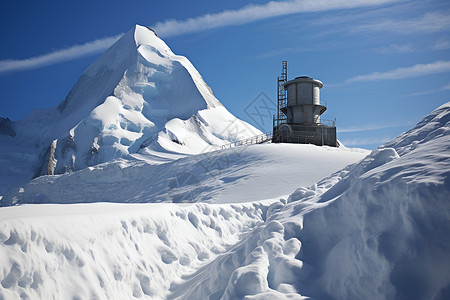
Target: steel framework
(282, 96)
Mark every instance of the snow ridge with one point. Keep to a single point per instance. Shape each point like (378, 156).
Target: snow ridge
(433, 126)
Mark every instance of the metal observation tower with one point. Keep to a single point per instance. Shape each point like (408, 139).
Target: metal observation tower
(298, 112)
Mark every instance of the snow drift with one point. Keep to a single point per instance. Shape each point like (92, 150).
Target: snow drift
(113, 251)
(377, 229)
(137, 97)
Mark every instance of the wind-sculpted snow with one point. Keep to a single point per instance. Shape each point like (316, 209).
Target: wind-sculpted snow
(378, 229)
(375, 230)
(113, 251)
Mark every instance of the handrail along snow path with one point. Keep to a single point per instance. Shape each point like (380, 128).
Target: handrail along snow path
(258, 139)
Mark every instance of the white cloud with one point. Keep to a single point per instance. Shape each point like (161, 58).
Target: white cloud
(408, 72)
(372, 127)
(366, 141)
(57, 56)
(246, 14)
(427, 92)
(442, 44)
(395, 48)
(429, 22)
(253, 12)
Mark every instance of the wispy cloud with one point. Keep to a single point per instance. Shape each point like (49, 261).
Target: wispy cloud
(395, 48)
(371, 127)
(246, 14)
(253, 12)
(429, 22)
(427, 92)
(57, 56)
(408, 72)
(366, 141)
(442, 44)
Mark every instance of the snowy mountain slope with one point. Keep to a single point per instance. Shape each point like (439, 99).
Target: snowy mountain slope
(379, 229)
(390, 230)
(432, 126)
(241, 174)
(138, 95)
(157, 246)
(16, 163)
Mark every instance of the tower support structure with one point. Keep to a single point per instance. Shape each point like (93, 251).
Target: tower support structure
(298, 112)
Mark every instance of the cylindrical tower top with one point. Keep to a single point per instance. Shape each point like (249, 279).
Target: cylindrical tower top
(304, 79)
(303, 100)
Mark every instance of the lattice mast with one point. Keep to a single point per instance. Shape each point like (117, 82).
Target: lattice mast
(282, 97)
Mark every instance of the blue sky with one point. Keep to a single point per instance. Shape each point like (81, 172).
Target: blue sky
(384, 64)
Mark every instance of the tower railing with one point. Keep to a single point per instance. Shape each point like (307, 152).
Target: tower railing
(329, 123)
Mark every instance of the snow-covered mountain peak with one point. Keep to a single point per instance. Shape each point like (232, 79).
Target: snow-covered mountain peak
(138, 96)
(139, 46)
(144, 35)
(125, 50)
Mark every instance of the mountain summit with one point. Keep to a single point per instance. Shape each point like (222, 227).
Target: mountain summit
(137, 97)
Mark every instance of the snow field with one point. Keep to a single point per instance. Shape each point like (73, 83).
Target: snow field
(152, 251)
(114, 251)
(241, 174)
(375, 229)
